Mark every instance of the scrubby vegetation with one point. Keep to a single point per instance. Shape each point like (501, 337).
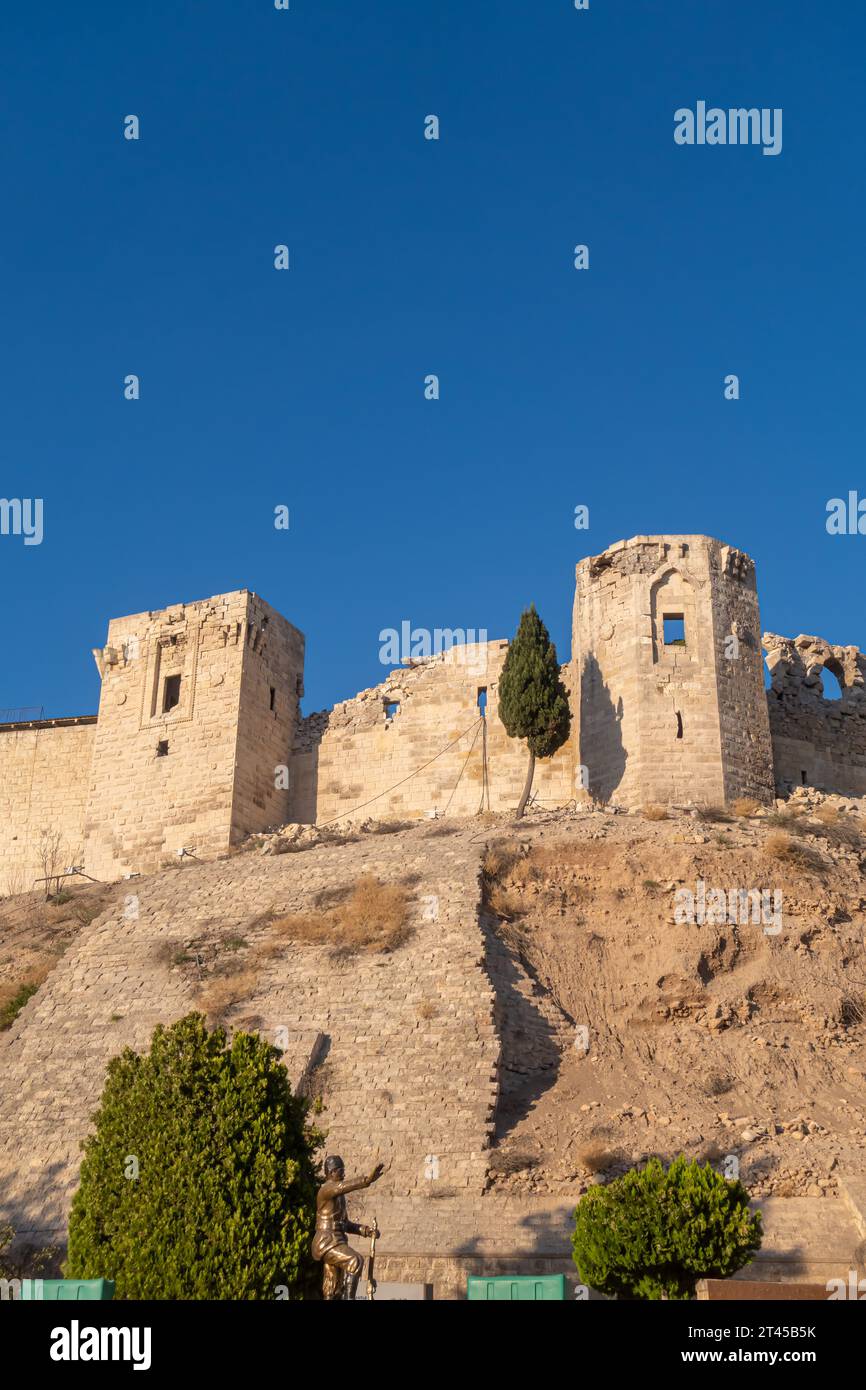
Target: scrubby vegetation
(27, 1262)
(11, 1006)
(793, 851)
(371, 916)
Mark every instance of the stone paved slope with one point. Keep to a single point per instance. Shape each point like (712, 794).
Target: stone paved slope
(407, 1042)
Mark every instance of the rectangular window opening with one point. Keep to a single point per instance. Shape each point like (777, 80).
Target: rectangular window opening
(482, 701)
(392, 707)
(803, 777)
(273, 697)
(162, 748)
(674, 630)
(170, 693)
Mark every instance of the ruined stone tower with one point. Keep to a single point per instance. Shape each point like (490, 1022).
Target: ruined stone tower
(197, 711)
(670, 695)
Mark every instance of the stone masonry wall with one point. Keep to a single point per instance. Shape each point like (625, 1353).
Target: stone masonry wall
(406, 1052)
(363, 748)
(441, 1243)
(660, 720)
(44, 774)
(817, 741)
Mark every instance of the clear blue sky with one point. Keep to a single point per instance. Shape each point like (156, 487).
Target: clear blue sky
(410, 257)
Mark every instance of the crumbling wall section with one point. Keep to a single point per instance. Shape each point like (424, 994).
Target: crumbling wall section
(419, 743)
(817, 742)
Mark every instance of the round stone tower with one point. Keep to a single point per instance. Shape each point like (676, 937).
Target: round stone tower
(669, 674)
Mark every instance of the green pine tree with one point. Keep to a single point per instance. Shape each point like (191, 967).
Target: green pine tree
(533, 703)
(199, 1179)
(654, 1232)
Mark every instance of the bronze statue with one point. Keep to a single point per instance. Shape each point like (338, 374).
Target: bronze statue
(343, 1265)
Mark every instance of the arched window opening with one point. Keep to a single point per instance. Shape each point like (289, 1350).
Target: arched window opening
(831, 683)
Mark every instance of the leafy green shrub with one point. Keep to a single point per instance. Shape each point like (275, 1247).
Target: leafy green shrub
(199, 1180)
(653, 1233)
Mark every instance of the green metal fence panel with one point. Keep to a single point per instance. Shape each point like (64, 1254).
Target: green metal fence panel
(69, 1290)
(508, 1287)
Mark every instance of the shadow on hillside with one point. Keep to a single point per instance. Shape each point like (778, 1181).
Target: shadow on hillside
(530, 1053)
(37, 1214)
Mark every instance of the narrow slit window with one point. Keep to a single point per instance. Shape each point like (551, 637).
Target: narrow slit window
(273, 697)
(675, 629)
(170, 694)
(482, 701)
(803, 776)
(679, 725)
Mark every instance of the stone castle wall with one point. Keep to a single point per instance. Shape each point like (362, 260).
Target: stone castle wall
(817, 741)
(199, 738)
(44, 774)
(418, 743)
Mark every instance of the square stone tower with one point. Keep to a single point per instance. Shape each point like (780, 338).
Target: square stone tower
(669, 679)
(197, 712)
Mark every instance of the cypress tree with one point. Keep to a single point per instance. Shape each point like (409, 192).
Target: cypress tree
(532, 700)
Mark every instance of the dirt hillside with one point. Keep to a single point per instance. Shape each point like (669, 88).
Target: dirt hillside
(633, 1031)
